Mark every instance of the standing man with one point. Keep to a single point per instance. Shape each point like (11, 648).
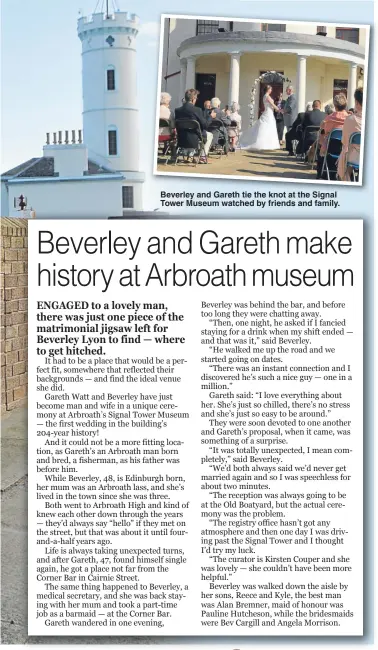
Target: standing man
(290, 108)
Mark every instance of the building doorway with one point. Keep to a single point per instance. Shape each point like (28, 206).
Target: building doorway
(277, 88)
(340, 87)
(205, 84)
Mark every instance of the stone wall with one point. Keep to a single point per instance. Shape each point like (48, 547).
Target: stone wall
(14, 314)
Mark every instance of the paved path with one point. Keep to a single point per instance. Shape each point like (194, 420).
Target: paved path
(275, 164)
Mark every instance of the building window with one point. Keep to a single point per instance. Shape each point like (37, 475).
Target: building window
(213, 26)
(110, 79)
(321, 30)
(20, 202)
(207, 26)
(351, 34)
(127, 197)
(340, 86)
(273, 27)
(112, 142)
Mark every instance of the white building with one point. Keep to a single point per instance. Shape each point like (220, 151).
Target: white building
(97, 174)
(223, 59)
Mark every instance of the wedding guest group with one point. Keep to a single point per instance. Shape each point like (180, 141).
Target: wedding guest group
(350, 152)
(328, 139)
(216, 126)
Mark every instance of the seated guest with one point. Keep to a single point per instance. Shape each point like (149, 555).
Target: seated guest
(235, 128)
(333, 121)
(312, 118)
(329, 109)
(222, 116)
(315, 116)
(351, 125)
(313, 153)
(295, 131)
(189, 111)
(166, 114)
(167, 134)
(207, 109)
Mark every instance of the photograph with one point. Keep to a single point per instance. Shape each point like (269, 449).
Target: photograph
(273, 101)
(187, 359)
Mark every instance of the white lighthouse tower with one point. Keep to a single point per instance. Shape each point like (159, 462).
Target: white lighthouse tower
(110, 112)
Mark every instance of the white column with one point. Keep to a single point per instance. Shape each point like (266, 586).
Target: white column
(352, 83)
(191, 72)
(234, 83)
(301, 82)
(183, 65)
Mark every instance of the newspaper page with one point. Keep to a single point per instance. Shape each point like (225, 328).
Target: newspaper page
(197, 441)
(187, 246)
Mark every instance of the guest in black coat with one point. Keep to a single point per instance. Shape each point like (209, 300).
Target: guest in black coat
(189, 111)
(294, 133)
(313, 118)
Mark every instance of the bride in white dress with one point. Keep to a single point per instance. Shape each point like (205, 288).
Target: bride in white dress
(263, 134)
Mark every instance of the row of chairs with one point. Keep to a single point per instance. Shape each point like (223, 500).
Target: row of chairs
(354, 139)
(172, 145)
(333, 151)
(302, 138)
(166, 142)
(220, 146)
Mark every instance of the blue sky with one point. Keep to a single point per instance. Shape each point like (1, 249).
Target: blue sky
(41, 67)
